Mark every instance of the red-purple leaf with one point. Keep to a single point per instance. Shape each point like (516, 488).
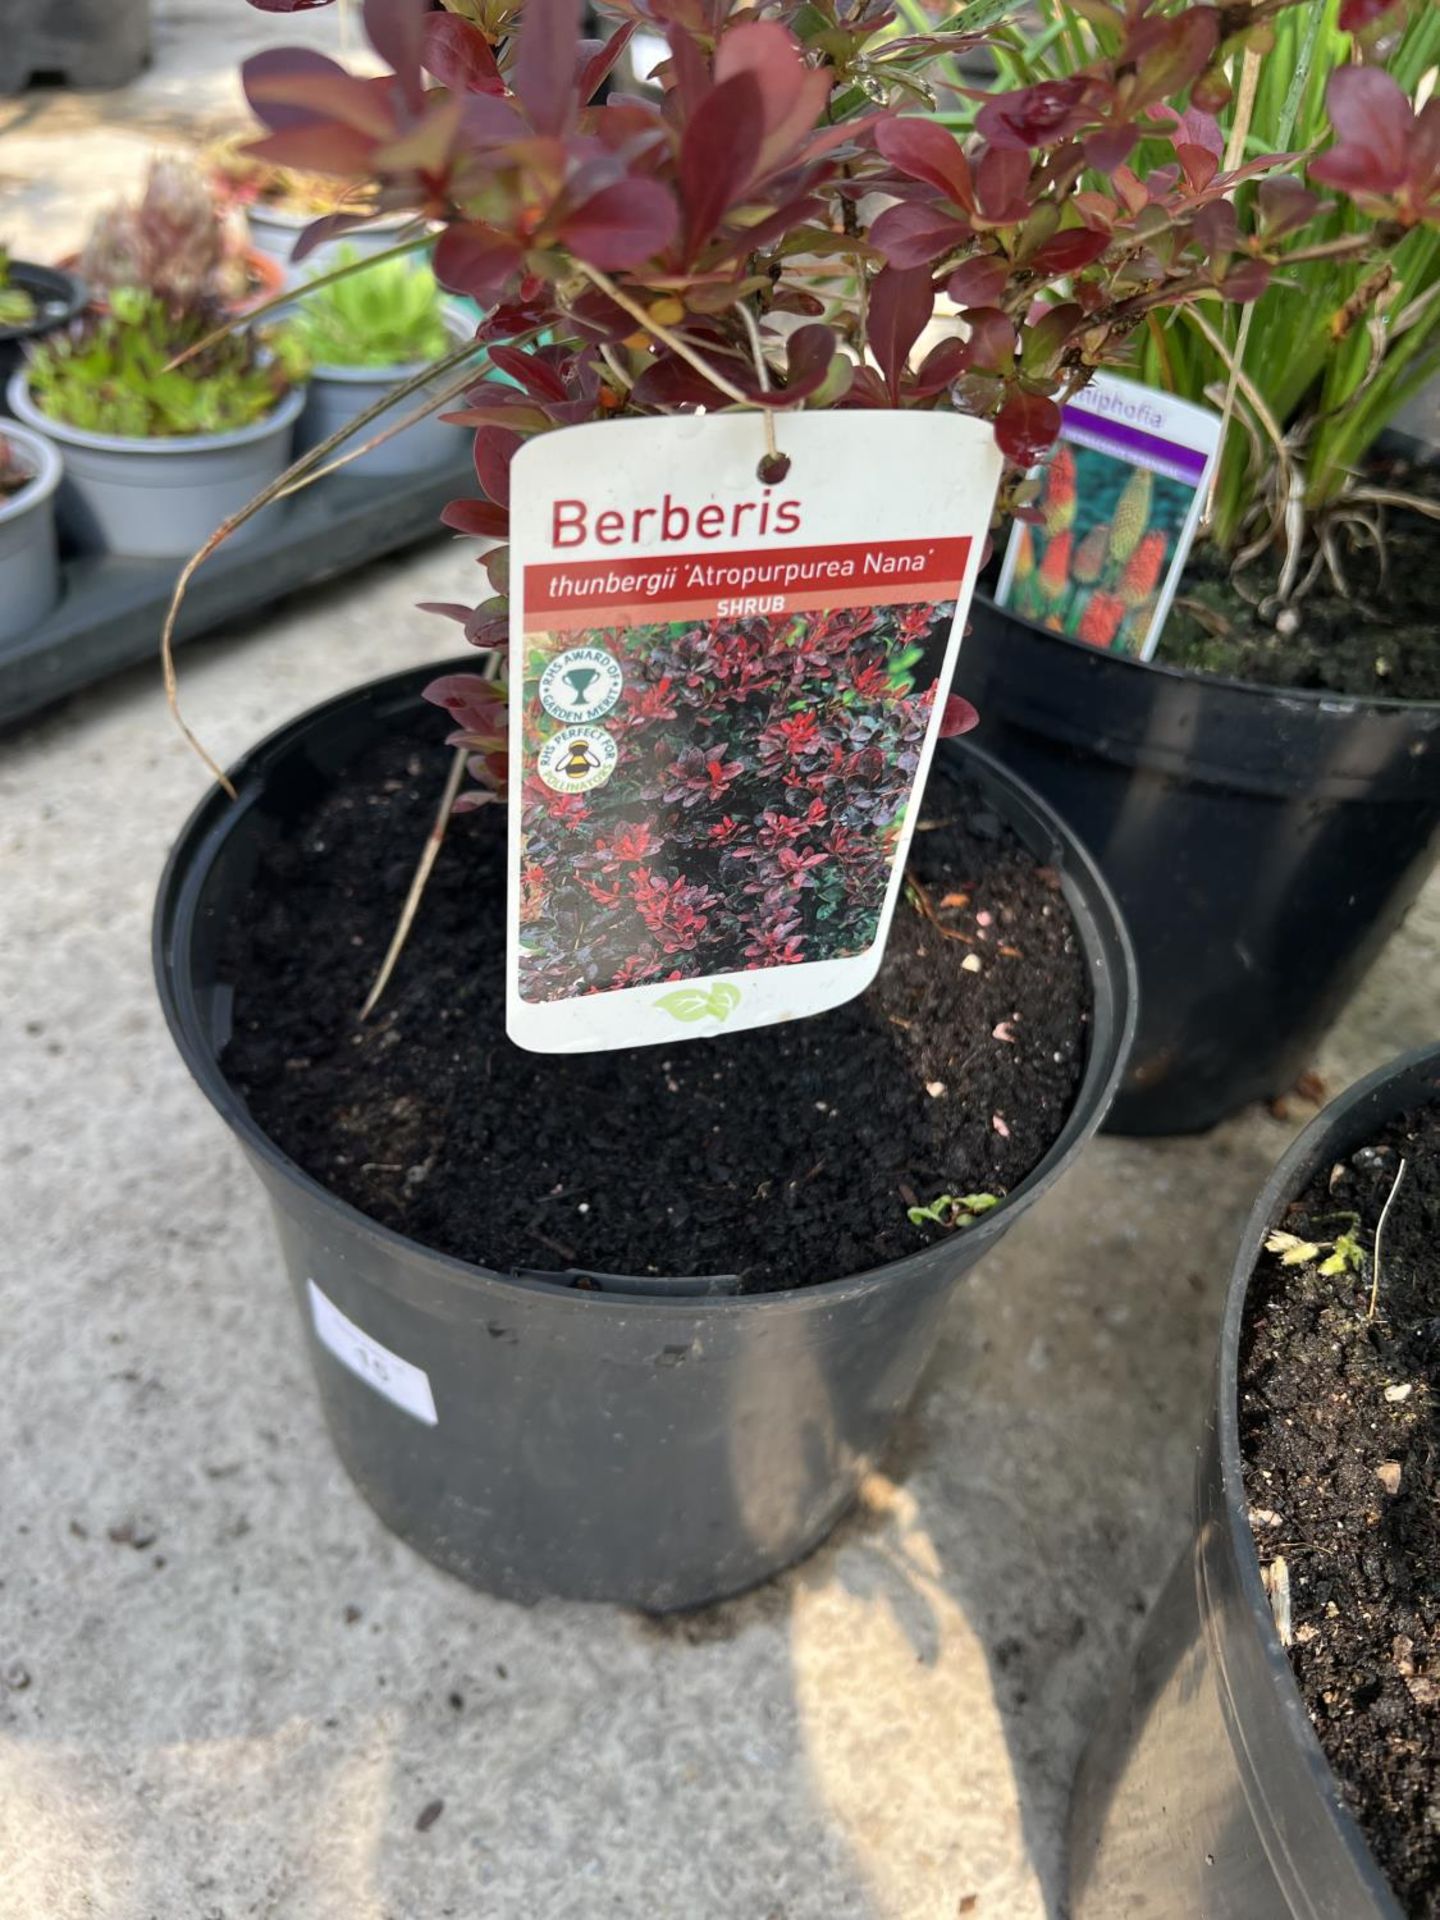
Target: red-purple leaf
(1246, 280)
(477, 260)
(544, 73)
(538, 379)
(459, 55)
(792, 95)
(495, 448)
(330, 226)
(480, 517)
(1372, 119)
(927, 152)
(595, 70)
(1283, 206)
(1069, 251)
(944, 362)
(719, 151)
(1000, 183)
(287, 6)
(1168, 51)
(979, 282)
(957, 716)
(1200, 165)
(1040, 116)
(296, 87)
(396, 30)
(1025, 426)
(902, 302)
(911, 234)
(809, 352)
(476, 704)
(670, 384)
(451, 610)
(623, 225)
(1106, 149)
(1355, 15)
(324, 146)
(989, 340)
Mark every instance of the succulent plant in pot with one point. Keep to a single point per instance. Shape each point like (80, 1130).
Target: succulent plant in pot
(624, 1349)
(364, 334)
(29, 577)
(174, 240)
(158, 455)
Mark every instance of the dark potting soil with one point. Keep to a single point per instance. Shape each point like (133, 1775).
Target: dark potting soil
(1381, 642)
(787, 1155)
(1340, 1429)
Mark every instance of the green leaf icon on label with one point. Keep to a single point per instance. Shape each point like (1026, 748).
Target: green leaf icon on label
(695, 1003)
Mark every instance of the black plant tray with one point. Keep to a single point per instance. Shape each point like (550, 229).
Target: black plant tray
(111, 609)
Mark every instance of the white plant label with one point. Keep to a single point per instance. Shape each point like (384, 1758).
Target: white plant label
(724, 697)
(400, 1381)
(1120, 501)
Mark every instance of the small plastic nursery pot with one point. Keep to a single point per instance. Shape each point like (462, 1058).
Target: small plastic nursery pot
(275, 230)
(161, 498)
(656, 1442)
(29, 570)
(1204, 1794)
(58, 298)
(337, 394)
(1263, 844)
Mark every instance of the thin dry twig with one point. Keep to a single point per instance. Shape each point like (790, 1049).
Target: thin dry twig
(299, 473)
(705, 368)
(429, 854)
(1379, 1242)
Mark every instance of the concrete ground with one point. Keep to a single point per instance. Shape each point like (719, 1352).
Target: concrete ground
(226, 1693)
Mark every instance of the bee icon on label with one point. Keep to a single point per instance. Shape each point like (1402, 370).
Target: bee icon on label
(577, 759)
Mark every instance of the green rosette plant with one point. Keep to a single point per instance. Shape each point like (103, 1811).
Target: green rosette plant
(114, 373)
(388, 314)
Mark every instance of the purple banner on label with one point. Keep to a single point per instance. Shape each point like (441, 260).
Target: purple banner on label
(1133, 444)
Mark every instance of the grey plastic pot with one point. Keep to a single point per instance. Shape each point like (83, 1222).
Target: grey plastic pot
(1204, 1794)
(274, 231)
(29, 569)
(161, 498)
(656, 1442)
(337, 394)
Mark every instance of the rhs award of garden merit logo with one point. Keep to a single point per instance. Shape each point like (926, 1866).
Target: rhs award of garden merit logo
(725, 693)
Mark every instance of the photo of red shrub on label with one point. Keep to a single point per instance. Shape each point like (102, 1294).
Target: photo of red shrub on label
(724, 695)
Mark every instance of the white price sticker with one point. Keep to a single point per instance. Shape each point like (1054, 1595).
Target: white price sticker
(404, 1384)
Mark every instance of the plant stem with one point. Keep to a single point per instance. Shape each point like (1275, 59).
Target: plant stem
(1379, 1239)
(429, 854)
(672, 340)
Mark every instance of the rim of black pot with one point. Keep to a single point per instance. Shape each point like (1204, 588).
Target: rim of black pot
(1108, 955)
(55, 282)
(1318, 697)
(1374, 1099)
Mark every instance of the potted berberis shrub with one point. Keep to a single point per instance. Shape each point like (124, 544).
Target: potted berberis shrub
(1273, 1749)
(1264, 792)
(631, 1324)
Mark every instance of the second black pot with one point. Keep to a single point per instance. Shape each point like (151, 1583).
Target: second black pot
(591, 1436)
(1204, 1793)
(59, 298)
(1263, 846)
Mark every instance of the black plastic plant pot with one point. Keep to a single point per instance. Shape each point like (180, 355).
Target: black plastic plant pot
(1204, 1793)
(59, 297)
(1263, 846)
(655, 1442)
